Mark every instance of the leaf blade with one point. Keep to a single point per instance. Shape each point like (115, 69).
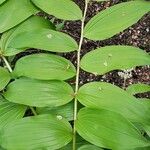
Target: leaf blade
(44, 39)
(38, 132)
(108, 129)
(62, 9)
(4, 78)
(109, 58)
(39, 93)
(10, 112)
(138, 88)
(52, 67)
(20, 9)
(103, 95)
(115, 19)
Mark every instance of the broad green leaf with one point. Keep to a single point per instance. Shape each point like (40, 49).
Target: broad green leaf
(2, 148)
(115, 19)
(65, 111)
(31, 24)
(109, 58)
(44, 39)
(108, 96)
(62, 9)
(79, 142)
(10, 112)
(143, 148)
(2, 1)
(39, 93)
(44, 67)
(38, 132)
(146, 126)
(2, 99)
(4, 78)
(89, 147)
(138, 88)
(108, 129)
(20, 10)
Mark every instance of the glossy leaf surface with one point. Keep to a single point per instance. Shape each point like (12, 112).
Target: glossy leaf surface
(89, 147)
(138, 88)
(108, 129)
(40, 132)
(20, 10)
(2, 1)
(31, 24)
(65, 111)
(39, 93)
(115, 19)
(44, 67)
(62, 9)
(109, 58)
(10, 112)
(4, 78)
(44, 39)
(107, 96)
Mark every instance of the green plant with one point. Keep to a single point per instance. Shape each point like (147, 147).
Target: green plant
(112, 117)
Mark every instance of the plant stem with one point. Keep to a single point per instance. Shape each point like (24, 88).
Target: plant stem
(10, 70)
(78, 73)
(7, 64)
(33, 111)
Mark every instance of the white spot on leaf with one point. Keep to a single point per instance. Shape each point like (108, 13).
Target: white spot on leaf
(49, 36)
(105, 63)
(59, 117)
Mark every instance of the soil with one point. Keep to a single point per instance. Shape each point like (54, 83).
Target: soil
(137, 35)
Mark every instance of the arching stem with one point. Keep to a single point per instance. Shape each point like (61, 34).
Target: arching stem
(10, 70)
(78, 73)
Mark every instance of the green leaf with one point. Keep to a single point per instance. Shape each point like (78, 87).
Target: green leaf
(115, 19)
(108, 129)
(138, 88)
(31, 24)
(2, 99)
(40, 132)
(4, 78)
(89, 147)
(20, 10)
(62, 9)
(39, 93)
(107, 96)
(44, 39)
(44, 67)
(10, 112)
(65, 111)
(2, 1)
(109, 58)
(143, 148)
(79, 142)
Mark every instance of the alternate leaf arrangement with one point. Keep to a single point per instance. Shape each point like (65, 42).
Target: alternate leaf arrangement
(97, 115)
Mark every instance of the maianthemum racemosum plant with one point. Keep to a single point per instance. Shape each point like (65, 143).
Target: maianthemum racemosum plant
(95, 116)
